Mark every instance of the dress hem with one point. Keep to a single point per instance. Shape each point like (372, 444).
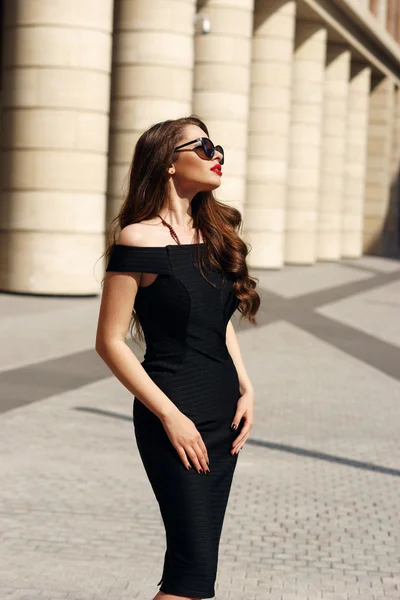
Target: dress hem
(206, 595)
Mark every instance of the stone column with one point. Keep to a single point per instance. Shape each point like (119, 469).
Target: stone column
(392, 223)
(393, 17)
(152, 78)
(1, 90)
(334, 132)
(305, 142)
(269, 124)
(355, 161)
(381, 12)
(57, 59)
(379, 163)
(397, 28)
(221, 87)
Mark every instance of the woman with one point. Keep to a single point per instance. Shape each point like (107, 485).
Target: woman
(180, 262)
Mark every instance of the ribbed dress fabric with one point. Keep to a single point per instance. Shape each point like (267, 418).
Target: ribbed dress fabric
(184, 320)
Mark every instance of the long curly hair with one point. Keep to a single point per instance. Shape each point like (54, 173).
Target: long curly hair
(218, 222)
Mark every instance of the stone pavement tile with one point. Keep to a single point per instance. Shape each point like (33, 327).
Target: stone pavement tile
(36, 597)
(296, 281)
(374, 312)
(25, 594)
(375, 263)
(65, 327)
(392, 581)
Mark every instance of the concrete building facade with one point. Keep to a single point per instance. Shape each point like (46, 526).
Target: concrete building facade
(304, 95)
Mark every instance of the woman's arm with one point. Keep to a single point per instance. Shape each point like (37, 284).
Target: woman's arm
(117, 300)
(234, 350)
(115, 311)
(245, 404)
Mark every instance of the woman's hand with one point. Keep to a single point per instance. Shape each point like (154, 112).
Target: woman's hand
(186, 440)
(245, 410)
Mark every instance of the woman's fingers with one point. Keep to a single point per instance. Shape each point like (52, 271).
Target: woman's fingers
(239, 443)
(188, 442)
(182, 454)
(244, 433)
(240, 439)
(203, 449)
(202, 457)
(196, 456)
(193, 457)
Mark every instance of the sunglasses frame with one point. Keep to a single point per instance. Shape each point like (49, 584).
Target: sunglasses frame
(217, 148)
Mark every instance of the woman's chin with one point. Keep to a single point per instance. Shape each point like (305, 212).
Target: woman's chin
(211, 185)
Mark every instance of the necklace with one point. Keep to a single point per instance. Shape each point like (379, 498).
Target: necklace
(171, 230)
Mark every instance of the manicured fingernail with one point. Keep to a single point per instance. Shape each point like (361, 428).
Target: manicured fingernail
(233, 426)
(189, 467)
(201, 471)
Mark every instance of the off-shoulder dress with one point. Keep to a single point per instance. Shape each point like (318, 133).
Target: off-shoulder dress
(184, 320)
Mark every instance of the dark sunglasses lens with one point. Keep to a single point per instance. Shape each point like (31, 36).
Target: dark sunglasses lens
(208, 147)
(221, 151)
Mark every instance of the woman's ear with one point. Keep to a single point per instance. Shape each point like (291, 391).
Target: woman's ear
(171, 170)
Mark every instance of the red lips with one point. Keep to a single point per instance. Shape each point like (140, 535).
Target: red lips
(217, 169)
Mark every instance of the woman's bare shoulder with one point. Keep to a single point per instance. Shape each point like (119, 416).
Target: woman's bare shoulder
(137, 234)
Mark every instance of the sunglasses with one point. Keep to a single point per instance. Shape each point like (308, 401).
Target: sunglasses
(207, 147)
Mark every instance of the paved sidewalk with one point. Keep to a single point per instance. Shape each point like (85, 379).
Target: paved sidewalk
(314, 510)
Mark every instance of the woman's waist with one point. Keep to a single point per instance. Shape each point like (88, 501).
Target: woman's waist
(198, 378)
(170, 360)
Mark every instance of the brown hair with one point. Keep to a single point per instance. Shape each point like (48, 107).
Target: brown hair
(217, 221)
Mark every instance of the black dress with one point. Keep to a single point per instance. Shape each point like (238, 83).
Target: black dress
(184, 321)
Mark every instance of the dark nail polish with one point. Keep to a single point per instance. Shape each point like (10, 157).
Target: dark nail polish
(189, 467)
(201, 471)
(207, 472)
(233, 426)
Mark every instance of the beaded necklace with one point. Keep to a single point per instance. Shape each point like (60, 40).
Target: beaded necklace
(171, 230)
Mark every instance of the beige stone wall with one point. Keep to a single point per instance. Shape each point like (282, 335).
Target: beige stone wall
(379, 164)
(221, 87)
(57, 59)
(333, 147)
(269, 126)
(305, 142)
(355, 161)
(152, 78)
